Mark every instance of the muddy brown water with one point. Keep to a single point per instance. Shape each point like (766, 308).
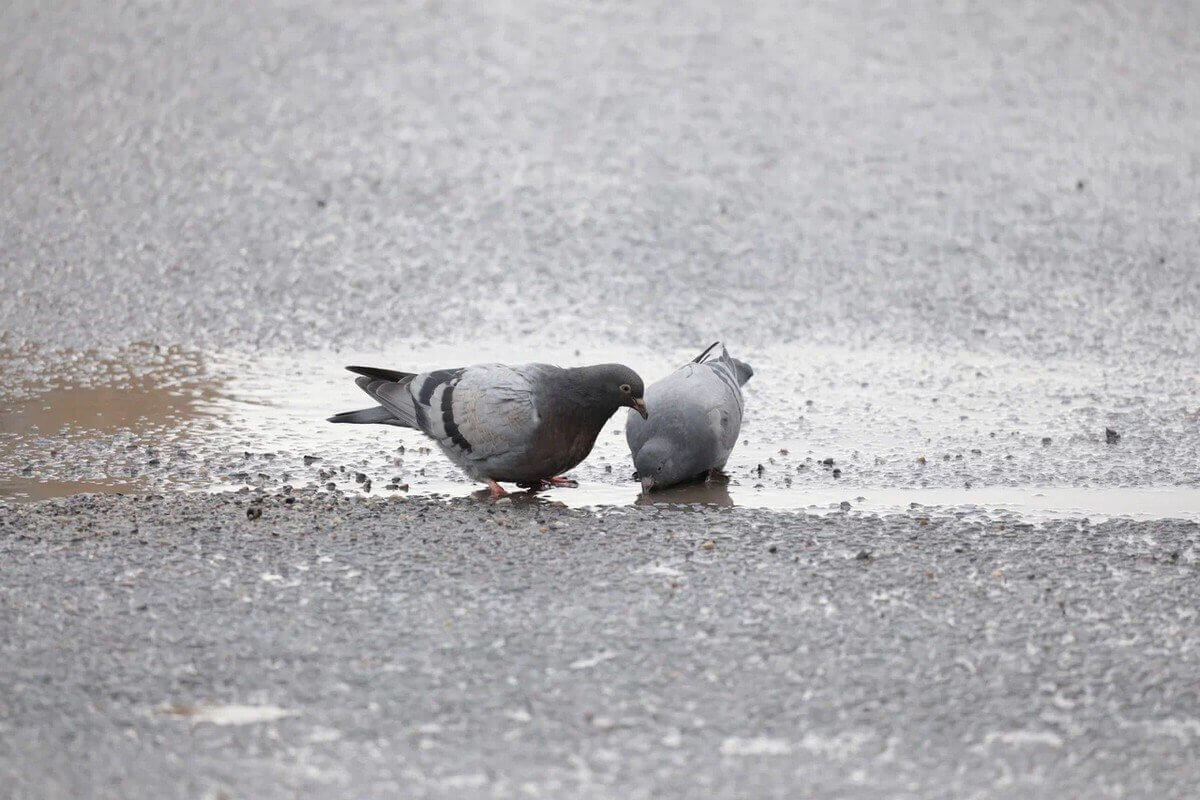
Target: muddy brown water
(828, 429)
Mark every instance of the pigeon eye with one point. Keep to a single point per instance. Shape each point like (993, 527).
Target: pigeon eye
(626, 388)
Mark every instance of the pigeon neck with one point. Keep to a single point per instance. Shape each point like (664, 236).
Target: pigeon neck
(586, 395)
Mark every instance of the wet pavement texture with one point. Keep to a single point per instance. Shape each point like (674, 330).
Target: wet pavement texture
(959, 245)
(879, 428)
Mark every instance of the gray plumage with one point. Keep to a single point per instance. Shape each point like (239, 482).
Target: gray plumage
(522, 423)
(695, 418)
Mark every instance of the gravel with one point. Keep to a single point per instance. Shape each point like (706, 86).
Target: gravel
(406, 648)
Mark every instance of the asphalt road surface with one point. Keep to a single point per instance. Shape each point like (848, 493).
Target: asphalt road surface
(961, 240)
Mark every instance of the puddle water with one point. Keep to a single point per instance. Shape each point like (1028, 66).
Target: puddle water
(827, 429)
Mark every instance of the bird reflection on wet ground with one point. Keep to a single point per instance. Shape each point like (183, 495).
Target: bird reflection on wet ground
(713, 491)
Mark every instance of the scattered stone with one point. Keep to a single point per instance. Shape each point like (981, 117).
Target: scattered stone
(760, 469)
(310, 460)
(864, 555)
(1111, 436)
(1046, 440)
(709, 544)
(254, 512)
(360, 477)
(837, 472)
(844, 505)
(828, 462)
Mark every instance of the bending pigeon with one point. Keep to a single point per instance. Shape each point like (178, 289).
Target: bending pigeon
(525, 423)
(697, 416)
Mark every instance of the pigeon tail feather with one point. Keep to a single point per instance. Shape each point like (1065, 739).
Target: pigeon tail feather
(382, 374)
(377, 415)
(392, 395)
(740, 369)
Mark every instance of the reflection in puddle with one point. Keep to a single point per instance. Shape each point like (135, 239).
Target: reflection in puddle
(99, 406)
(707, 493)
(23, 488)
(823, 432)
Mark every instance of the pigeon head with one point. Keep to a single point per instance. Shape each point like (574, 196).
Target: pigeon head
(614, 386)
(655, 463)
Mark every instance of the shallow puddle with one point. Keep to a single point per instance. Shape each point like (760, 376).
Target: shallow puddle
(827, 429)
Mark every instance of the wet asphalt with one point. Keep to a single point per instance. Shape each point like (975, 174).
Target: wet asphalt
(984, 187)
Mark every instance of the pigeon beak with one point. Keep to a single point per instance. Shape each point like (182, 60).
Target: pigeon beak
(639, 405)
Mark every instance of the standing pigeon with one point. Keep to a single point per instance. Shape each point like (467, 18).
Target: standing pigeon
(697, 416)
(525, 423)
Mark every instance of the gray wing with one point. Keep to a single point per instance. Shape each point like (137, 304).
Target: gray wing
(728, 405)
(740, 370)
(478, 413)
(698, 406)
